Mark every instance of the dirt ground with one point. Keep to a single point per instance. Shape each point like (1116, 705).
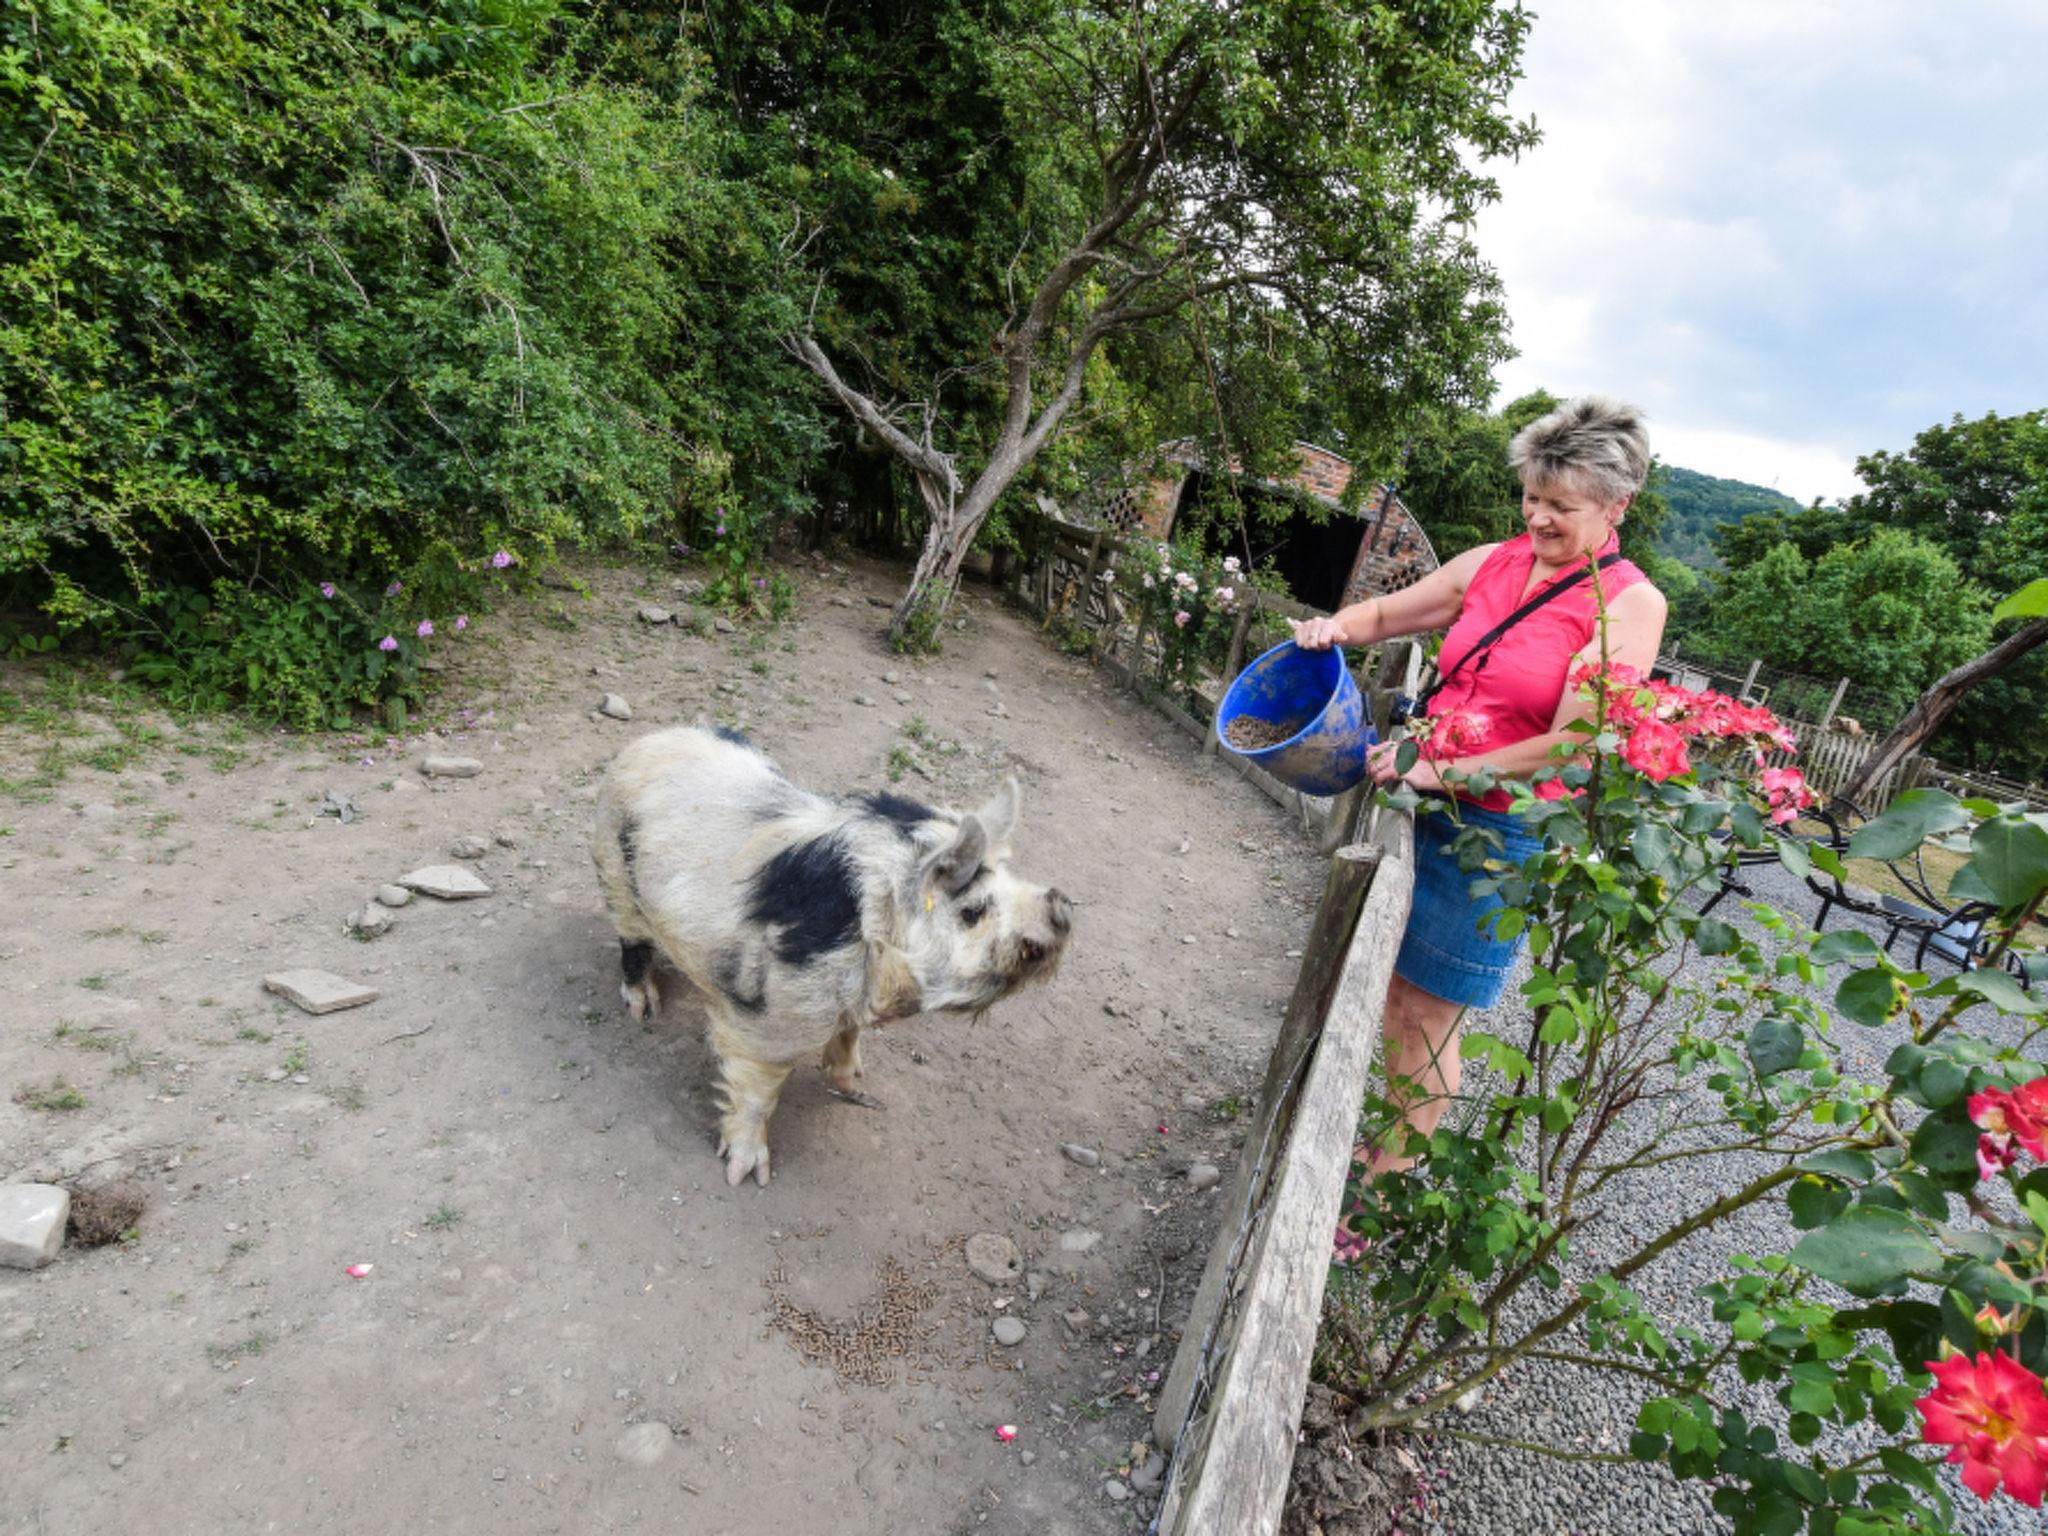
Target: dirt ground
(570, 1323)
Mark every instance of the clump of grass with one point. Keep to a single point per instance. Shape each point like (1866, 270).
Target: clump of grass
(59, 1097)
(225, 1355)
(444, 1217)
(899, 763)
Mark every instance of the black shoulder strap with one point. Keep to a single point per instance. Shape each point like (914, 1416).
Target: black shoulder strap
(1487, 640)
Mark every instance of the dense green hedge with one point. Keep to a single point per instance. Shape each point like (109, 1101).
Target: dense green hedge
(293, 292)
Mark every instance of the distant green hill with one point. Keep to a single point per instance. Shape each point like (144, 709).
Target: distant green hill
(1701, 503)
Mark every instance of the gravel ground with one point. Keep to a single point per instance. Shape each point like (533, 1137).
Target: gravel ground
(1488, 1490)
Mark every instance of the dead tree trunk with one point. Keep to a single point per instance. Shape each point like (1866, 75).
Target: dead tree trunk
(1933, 707)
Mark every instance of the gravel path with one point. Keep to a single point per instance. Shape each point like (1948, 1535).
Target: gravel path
(1489, 1490)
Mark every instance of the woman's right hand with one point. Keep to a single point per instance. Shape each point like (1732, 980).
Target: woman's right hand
(1318, 634)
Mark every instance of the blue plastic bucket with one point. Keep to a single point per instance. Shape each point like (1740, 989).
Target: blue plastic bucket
(1311, 696)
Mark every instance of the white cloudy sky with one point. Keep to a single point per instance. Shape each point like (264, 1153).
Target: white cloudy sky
(1795, 231)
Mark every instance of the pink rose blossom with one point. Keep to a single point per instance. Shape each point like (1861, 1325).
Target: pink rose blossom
(327, 589)
(502, 559)
(1181, 617)
(461, 622)
(426, 628)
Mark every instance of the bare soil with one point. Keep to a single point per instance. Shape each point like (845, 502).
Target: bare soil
(568, 1321)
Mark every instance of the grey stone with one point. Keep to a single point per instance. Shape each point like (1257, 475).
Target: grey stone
(724, 625)
(615, 707)
(1034, 1285)
(1087, 1157)
(504, 836)
(1149, 1476)
(368, 922)
(838, 600)
(689, 586)
(1027, 1457)
(905, 699)
(334, 802)
(864, 701)
(642, 1445)
(393, 895)
(994, 1257)
(1076, 1320)
(1115, 1491)
(471, 847)
(319, 991)
(450, 882)
(892, 678)
(651, 614)
(1080, 1240)
(1204, 1176)
(1009, 1332)
(32, 1218)
(879, 602)
(451, 767)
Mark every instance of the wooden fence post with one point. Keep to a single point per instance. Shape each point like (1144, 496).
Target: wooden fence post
(1233, 661)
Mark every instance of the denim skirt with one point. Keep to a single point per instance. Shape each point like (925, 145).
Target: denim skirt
(1449, 949)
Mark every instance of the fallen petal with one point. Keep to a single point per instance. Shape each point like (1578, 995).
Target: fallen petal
(1006, 1432)
(357, 1271)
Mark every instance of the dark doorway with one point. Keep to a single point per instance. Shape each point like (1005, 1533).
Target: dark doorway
(1314, 558)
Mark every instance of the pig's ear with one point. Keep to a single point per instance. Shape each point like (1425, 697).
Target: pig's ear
(952, 867)
(891, 990)
(999, 818)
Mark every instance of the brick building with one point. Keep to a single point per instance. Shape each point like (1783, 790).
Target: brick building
(1341, 558)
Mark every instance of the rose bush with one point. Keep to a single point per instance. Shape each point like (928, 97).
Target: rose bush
(1188, 601)
(1906, 1320)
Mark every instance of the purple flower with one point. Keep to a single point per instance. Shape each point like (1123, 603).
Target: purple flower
(761, 583)
(502, 559)
(327, 589)
(461, 622)
(721, 530)
(426, 628)
(394, 589)
(388, 643)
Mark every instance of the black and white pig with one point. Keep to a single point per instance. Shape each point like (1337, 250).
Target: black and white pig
(802, 919)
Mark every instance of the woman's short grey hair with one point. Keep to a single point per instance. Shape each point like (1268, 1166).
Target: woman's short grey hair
(1592, 445)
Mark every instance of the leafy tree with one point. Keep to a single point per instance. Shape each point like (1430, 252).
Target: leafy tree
(1702, 504)
(1891, 612)
(1319, 162)
(1969, 486)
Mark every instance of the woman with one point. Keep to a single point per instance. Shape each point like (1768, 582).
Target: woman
(1580, 467)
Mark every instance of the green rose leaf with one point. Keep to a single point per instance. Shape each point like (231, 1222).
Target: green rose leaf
(1945, 1145)
(1715, 937)
(1844, 944)
(1908, 822)
(2030, 602)
(2011, 860)
(1842, 1163)
(1774, 1045)
(1815, 1204)
(1793, 855)
(1870, 997)
(1866, 1249)
(1942, 1082)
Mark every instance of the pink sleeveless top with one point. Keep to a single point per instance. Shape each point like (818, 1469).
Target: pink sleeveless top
(1518, 682)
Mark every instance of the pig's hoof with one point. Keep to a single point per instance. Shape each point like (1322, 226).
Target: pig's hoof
(743, 1158)
(642, 1001)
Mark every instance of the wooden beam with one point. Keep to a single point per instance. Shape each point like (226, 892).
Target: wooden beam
(1235, 1481)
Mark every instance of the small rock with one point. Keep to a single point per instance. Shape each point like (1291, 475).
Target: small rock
(469, 847)
(1079, 1240)
(650, 613)
(687, 587)
(319, 991)
(864, 701)
(1187, 938)
(879, 602)
(993, 1257)
(1115, 1491)
(450, 882)
(1087, 1157)
(32, 1218)
(370, 922)
(1185, 845)
(1204, 1176)
(642, 1445)
(1076, 1320)
(840, 600)
(991, 672)
(1034, 1285)
(504, 836)
(1009, 1332)
(905, 699)
(724, 625)
(999, 710)
(334, 802)
(1468, 1400)
(1149, 1476)
(615, 707)
(393, 895)
(276, 1075)
(118, 1460)
(1027, 1457)
(451, 767)
(892, 678)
